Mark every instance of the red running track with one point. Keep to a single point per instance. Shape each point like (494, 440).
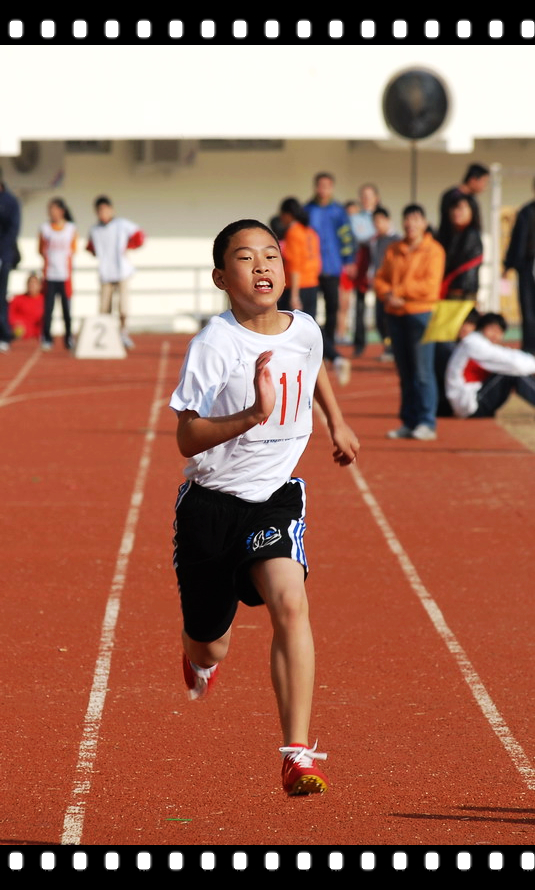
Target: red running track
(421, 591)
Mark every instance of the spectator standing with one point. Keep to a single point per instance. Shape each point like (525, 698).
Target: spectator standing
(520, 255)
(461, 240)
(57, 245)
(9, 230)
(26, 310)
(346, 289)
(384, 236)
(301, 258)
(408, 283)
(476, 180)
(363, 229)
(330, 220)
(109, 240)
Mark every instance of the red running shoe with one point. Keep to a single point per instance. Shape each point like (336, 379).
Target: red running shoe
(198, 684)
(300, 774)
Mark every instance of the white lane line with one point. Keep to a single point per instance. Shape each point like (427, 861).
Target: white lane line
(26, 368)
(74, 390)
(483, 699)
(74, 816)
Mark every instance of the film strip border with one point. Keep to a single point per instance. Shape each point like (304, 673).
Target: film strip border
(186, 861)
(300, 31)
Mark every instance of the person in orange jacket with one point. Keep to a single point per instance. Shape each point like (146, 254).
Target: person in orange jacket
(301, 258)
(408, 282)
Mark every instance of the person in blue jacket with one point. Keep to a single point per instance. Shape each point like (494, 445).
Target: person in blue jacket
(9, 230)
(337, 244)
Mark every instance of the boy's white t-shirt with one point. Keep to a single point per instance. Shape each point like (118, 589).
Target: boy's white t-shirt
(476, 353)
(110, 241)
(216, 379)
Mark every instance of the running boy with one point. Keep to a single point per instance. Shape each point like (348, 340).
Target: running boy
(244, 403)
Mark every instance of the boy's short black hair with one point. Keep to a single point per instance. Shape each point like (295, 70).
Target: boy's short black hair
(222, 240)
(324, 175)
(102, 199)
(381, 211)
(472, 317)
(413, 208)
(476, 171)
(491, 318)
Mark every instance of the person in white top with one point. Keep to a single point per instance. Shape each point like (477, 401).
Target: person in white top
(109, 240)
(481, 373)
(57, 245)
(244, 404)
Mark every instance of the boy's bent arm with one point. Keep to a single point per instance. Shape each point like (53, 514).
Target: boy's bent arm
(196, 434)
(346, 444)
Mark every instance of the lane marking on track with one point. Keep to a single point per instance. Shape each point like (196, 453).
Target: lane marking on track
(73, 391)
(483, 699)
(26, 368)
(74, 816)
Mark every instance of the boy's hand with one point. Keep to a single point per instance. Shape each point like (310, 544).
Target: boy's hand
(264, 389)
(394, 302)
(346, 445)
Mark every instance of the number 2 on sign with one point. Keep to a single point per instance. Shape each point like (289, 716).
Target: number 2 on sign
(284, 401)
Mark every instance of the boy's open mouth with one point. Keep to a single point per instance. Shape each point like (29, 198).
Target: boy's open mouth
(264, 285)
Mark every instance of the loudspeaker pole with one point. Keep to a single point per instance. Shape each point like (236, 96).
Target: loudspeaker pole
(414, 170)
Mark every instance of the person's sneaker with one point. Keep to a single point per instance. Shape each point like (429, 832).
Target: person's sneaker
(403, 432)
(424, 433)
(386, 356)
(69, 343)
(300, 773)
(127, 341)
(342, 369)
(46, 345)
(198, 683)
(4, 346)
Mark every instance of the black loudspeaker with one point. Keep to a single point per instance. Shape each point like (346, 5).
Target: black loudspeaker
(415, 104)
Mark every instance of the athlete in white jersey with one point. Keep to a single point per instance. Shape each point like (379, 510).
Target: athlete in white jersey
(244, 403)
(109, 240)
(57, 245)
(217, 380)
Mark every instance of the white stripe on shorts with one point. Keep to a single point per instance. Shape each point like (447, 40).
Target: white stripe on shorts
(296, 529)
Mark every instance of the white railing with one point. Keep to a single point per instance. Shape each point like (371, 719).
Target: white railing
(162, 298)
(177, 298)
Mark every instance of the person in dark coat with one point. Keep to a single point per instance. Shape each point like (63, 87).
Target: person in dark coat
(520, 255)
(464, 251)
(9, 230)
(461, 239)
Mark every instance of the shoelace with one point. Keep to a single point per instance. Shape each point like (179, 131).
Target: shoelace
(304, 756)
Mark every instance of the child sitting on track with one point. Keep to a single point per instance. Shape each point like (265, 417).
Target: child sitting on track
(482, 373)
(245, 408)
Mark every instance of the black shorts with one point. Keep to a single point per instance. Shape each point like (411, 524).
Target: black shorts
(217, 536)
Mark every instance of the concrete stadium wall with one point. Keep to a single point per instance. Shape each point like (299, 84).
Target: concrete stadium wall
(181, 208)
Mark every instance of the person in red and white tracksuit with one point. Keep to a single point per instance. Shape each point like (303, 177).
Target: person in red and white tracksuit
(482, 373)
(109, 240)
